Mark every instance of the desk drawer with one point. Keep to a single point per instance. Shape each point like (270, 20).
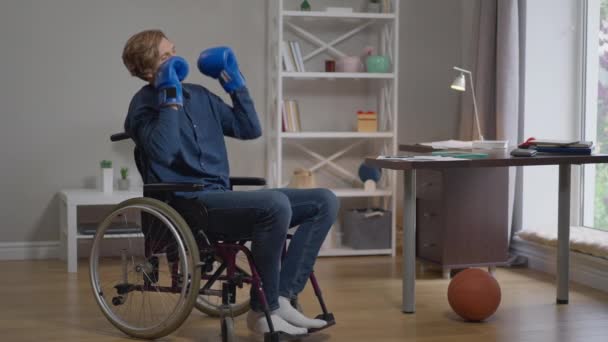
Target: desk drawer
(429, 230)
(429, 185)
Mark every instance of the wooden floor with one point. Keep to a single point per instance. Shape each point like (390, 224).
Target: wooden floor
(39, 301)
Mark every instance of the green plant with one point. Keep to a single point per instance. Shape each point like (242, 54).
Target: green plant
(305, 6)
(124, 172)
(106, 164)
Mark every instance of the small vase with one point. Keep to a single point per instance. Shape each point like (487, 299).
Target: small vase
(373, 7)
(123, 184)
(106, 180)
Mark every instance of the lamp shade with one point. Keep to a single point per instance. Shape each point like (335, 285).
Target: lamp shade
(459, 83)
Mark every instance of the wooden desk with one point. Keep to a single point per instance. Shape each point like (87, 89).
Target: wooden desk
(497, 158)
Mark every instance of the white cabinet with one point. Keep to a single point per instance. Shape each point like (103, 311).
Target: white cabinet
(327, 141)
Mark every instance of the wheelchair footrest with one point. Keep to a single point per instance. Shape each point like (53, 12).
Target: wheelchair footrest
(281, 336)
(329, 318)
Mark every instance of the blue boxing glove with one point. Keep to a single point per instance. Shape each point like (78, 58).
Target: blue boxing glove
(220, 63)
(168, 81)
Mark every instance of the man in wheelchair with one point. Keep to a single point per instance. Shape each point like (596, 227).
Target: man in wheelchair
(180, 127)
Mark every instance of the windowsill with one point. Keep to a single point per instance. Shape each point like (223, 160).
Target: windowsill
(584, 240)
(584, 269)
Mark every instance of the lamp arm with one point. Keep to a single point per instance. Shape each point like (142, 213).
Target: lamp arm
(475, 106)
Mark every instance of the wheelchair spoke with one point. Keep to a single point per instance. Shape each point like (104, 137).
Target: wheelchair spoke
(140, 290)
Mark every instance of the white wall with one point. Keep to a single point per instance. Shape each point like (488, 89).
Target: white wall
(551, 97)
(432, 35)
(64, 90)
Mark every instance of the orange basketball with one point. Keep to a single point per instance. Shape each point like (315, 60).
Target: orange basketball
(474, 294)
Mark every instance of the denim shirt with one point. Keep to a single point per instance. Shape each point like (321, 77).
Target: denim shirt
(187, 145)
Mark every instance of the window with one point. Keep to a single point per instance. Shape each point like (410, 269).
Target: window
(595, 178)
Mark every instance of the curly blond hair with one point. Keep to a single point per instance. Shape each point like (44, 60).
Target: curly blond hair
(140, 53)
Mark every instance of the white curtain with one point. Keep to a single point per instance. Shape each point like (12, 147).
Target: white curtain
(497, 66)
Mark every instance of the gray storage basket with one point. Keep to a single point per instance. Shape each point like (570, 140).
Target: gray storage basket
(367, 229)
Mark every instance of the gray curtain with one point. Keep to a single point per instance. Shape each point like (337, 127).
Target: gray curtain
(497, 66)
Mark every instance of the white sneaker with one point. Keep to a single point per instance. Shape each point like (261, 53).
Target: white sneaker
(295, 317)
(256, 322)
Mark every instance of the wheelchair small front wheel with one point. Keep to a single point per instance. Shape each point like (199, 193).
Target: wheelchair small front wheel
(228, 330)
(146, 282)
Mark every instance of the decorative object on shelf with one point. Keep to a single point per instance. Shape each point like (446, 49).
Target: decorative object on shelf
(302, 179)
(377, 63)
(374, 6)
(349, 64)
(386, 6)
(370, 176)
(123, 182)
(367, 121)
(106, 176)
(460, 84)
(330, 65)
(305, 6)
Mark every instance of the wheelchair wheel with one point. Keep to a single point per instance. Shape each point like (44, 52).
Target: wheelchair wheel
(146, 282)
(212, 304)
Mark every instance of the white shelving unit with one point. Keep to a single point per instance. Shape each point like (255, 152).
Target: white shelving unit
(307, 27)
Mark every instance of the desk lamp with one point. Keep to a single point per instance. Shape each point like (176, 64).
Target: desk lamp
(460, 85)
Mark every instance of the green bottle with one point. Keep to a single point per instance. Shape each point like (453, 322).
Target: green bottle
(305, 6)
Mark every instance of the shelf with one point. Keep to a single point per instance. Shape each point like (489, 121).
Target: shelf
(349, 251)
(116, 230)
(325, 14)
(361, 193)
(111, 236)
(335, 135)
(336, 75)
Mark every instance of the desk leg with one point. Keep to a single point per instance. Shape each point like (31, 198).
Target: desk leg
(409, 242)
(71, 239)
(563, 234)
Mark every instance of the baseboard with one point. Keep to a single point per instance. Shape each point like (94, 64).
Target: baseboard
(584, 269)
(29, 250)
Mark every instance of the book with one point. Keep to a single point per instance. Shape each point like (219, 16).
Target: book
(563, 150)
(288, 63)
(291, 116)
(560, 143)
(299, 59)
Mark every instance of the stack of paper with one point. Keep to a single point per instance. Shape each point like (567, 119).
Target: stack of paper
(447, 144)
(417, 158)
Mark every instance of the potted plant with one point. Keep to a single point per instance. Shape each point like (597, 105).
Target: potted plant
(305, 6)
(373, 6)
(106, 176)
(123, 182)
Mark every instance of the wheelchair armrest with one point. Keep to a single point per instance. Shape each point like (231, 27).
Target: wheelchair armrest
(119, 136)
(236, 181)
(172, 187)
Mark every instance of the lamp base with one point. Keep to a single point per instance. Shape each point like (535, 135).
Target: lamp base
(490, 144)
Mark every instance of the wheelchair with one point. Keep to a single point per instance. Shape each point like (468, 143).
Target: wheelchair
(167, 265)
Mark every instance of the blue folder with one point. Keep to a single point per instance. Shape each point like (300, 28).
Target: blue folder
(564, 150)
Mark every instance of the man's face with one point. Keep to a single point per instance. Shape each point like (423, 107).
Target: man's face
(166, 50)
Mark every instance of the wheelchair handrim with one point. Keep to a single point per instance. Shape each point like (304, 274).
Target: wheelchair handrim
(101, 300)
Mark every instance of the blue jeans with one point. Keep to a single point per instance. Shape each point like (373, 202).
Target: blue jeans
(265, 216)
